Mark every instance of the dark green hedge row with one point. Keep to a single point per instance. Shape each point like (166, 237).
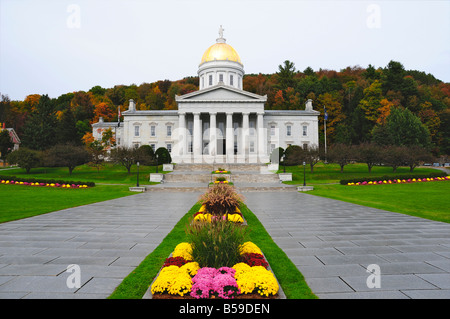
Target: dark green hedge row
(386, 177)
(40, 180)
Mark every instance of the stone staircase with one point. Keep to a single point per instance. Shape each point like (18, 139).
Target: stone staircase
(245, 177)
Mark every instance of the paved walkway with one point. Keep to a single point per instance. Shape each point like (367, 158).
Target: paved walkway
(107, 240)
(332, 242)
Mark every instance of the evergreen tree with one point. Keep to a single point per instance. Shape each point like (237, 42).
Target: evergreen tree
(67, 131)
(286, 74)
(402, 128)
(40, 128)
(6, 144)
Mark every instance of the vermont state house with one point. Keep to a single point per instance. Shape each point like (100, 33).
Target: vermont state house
(219, 123)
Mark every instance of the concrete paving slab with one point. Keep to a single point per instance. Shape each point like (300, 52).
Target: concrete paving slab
(409, 250)
(107, 240)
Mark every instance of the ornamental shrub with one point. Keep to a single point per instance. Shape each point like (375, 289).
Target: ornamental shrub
(221, 199)
(216, 243)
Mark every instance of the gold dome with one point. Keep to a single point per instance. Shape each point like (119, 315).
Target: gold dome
(221, 52)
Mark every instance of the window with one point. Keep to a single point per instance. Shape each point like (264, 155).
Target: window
(203, 81)
(136, 145)
(153, 146)
(289, 130)
(272, 147)
(152, 130)
(305, 130)
(169, 130)
(252, 146)
(169, 147)
(272, 130)
(305, 146)
(231, 80)
(190, 147)
(220, 77)
(252, 128)
(136, 130)
(210, 80)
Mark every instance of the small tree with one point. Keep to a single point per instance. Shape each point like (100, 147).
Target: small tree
(25, 158)
(146, 155)
(125, 156)
(312, 156)
(394, 156)
(294, 155)
(370, 154)
(415, 155)
(67, 155)
(163, 156)
(97, 154)
(340, 154)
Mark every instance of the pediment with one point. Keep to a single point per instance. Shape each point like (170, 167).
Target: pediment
(221, 93)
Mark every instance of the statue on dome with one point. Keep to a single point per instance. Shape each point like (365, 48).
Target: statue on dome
(221, 31)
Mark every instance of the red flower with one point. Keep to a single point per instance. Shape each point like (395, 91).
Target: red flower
(177, 261)
(253, 259)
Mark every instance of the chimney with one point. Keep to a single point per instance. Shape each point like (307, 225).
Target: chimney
(132, 106)
(308, 105)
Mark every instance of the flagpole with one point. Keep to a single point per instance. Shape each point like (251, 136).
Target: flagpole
(325, 131)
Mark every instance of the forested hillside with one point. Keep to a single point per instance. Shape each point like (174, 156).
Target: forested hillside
(358, 102)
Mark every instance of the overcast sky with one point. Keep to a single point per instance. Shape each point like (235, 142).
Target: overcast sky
(55, 47)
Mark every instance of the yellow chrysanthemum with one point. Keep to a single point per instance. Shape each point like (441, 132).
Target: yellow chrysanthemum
(249, 247)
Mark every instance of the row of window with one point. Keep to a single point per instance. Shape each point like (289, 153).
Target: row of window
(221, 79)
(137, 129)
(289, 130)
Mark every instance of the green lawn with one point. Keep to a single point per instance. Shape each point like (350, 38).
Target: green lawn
(330, 173)
(108, 174)
(19, 201)
(427, 200)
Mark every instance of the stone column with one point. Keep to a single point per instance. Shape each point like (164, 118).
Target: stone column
(212, 134)
(181, 134)
(261, 135)
(229, 138)
(196, 138)
(245, 134)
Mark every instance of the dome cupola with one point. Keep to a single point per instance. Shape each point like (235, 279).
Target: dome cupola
(220, 64)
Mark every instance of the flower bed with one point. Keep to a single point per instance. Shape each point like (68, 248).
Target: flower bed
(400, 181)
(12, 182)
(218, 261)
(203, 215)
(180, 277)
(4, 179)
(220, 171)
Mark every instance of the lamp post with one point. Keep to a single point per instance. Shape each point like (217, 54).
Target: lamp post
(284, 164)
(304, 174)
(157, 163)
(137, 182)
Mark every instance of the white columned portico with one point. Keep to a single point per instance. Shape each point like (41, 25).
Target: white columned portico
(245, 135)
(196, 138)
(181, 134)
(260, 133)
(229, 137)
(212, 134)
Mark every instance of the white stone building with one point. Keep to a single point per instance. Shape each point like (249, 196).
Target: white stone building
(219, 123)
